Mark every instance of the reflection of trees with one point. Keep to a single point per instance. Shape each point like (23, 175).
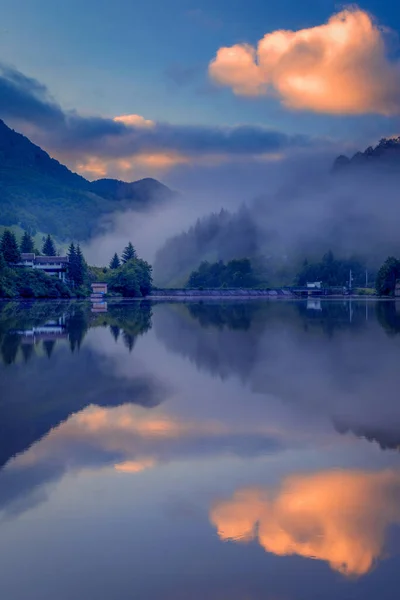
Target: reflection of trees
(27, 351)
(233, 337)
(132, 319)
(37, 395)
(48, 346)
(9, 348)
(388, 315)
(232, 316)
(294, 357)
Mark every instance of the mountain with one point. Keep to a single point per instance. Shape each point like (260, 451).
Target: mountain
(349, 208)
(386, 156)
(138, 191)
(40, 194)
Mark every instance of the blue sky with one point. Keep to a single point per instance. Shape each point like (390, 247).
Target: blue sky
(151, 58)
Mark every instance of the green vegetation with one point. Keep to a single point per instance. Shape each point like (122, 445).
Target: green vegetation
(30, 283)
(115, 263)
(40, 194)
(222, 236)
(27, 245)
(133, 278)
(129, 253)
(333, 272)
(246, 273)
(49, 248)
(77, 267)
(9, 248)
(235, 274)
(387, 277)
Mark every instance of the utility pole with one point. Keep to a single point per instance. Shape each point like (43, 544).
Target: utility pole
(350, 281)
(366, 278)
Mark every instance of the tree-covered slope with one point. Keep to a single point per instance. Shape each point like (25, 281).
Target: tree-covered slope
(40, 194)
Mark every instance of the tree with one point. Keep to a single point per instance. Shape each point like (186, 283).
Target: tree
(129, 253)
(115, 263)
(27, 245)
(387, 276)
(9, 247)
(80, 267)
(236, 273)
(133, 279)
(72, 262)
(49, 248)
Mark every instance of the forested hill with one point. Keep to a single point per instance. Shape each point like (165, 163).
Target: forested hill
(40, 194)
(386, 156)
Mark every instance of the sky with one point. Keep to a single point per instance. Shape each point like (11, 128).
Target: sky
(204, 82)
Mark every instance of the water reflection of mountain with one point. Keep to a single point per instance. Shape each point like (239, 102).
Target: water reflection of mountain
(36, 394)
(388, 438)
(338, 361)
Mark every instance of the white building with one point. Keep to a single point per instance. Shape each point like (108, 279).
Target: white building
(51, 265)
(314, 285)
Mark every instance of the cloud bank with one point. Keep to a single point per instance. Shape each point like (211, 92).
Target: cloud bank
(341, 67)
(99, 146)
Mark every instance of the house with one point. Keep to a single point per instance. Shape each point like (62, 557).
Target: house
(51, 265)
(314, 285)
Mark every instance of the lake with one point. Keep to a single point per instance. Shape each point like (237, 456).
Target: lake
(205, 450)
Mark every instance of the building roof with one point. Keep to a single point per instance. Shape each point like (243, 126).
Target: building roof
(43, 259)
(51, 259)
(28, 256)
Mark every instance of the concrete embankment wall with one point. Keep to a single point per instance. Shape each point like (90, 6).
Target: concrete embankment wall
(234, 293)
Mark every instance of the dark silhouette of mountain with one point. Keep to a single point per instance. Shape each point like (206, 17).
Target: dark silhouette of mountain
(138, 191)
(40, 194)
(386, 155)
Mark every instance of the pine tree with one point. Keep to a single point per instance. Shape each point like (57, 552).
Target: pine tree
(80, 267)
(72, 262)
(115, 262)
(49, 248)
(128, 253)
(27, 246)
(9, 247)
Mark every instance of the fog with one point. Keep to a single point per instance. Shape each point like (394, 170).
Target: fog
(299, 208)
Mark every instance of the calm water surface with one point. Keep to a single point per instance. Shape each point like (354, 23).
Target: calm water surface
(234, 451)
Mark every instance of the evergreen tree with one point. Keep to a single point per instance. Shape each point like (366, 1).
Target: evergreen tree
(128, 253)
(3, 263)
(27, 246)
(72, 262)
(9, 247)
(115, 262)
(80, 267)
(49, 248)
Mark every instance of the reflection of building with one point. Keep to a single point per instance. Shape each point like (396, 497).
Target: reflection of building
(99, 290)
(51, 265)
(314, 304)
(51, 330)
(99, 307)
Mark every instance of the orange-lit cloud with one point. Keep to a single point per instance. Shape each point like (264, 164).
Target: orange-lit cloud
(135, 466)
(137, 165)
(134, 121)
(340, 67)
(339, 517)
